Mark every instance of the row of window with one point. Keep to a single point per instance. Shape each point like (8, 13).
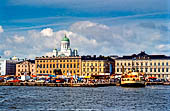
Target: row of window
(93, 70)
(57, 66)
(57, 60)
(147, 69)
(64, 71)
(141, 64)
(24, 70)
(24, 65)
(93, 65)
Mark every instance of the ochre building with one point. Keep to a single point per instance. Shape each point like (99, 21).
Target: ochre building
(26, 67)
(69, 66)
(97, 66)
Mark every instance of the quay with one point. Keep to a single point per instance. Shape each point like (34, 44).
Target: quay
(57, 84)
(72, 84)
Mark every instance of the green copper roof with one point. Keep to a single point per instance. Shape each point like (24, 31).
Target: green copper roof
(65, 39)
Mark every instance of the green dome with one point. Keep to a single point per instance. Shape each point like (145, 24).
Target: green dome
(65, 39)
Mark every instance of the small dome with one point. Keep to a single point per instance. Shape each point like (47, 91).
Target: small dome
(14, 58)
(65, 39)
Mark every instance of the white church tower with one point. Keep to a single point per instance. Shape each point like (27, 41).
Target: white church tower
(65, 48)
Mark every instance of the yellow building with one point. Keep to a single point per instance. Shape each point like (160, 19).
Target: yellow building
(152, 65)
(25, 67)
(67, 65)
(97, 66)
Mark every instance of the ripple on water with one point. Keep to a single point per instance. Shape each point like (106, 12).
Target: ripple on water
(83, 98)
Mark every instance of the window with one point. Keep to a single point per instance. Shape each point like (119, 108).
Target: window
(166, 69)
(128, 64)
(83, 69)
(166, 63)
(141, 69)
(162, 69)
(155, 64)
(87, 64)
(70, 65)
(146, 64)
(47, 65)
(74, 65)
(154, 69)
(50, 65)
(53, 65)
(158, 63)
(67, 66)
(150, 69)
(141, 64)
(150, 64)
(117, 69)
(162, 63)
(77, 65)
(63, 65)
(60, 65)
(43, 65)
(83, 64)
(146, 69)
(57, 65)
(158, 69)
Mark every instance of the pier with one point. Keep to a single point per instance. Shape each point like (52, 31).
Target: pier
(57, 84)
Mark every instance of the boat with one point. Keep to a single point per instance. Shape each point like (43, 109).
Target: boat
(132, 78)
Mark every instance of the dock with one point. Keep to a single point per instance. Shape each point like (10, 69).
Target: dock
(57, 84)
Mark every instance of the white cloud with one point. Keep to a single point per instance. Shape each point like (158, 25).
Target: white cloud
(47, 32)
(7, 53)
(163, 47)
(18, 39)
(1, 29)
(91, 38)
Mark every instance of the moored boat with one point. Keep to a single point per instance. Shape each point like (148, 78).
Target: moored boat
(132, 79)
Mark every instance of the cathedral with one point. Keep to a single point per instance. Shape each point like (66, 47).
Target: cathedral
(65, 49)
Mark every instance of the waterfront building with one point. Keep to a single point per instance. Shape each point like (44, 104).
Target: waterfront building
(65, 49)
(95, 66)
(8, 67)
(68, 66)
(25, 67)
(152, 65)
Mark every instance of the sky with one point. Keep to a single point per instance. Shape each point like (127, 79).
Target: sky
(31, 28)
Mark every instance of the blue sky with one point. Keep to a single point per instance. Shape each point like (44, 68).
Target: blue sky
(94, 26)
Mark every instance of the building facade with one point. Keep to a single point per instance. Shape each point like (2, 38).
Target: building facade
(152, 65)
(69, 66)
(7, 67)
(65, 49)
(26, 67)
(97, 66)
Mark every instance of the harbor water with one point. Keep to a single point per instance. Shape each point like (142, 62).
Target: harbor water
(112, 98)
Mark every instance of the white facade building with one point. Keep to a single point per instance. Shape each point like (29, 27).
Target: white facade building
(65, 49)
(7, 67)
(152, 65)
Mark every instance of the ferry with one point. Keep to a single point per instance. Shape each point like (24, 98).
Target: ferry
(132, 78)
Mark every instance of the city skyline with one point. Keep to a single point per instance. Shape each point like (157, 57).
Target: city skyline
(33, 28)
